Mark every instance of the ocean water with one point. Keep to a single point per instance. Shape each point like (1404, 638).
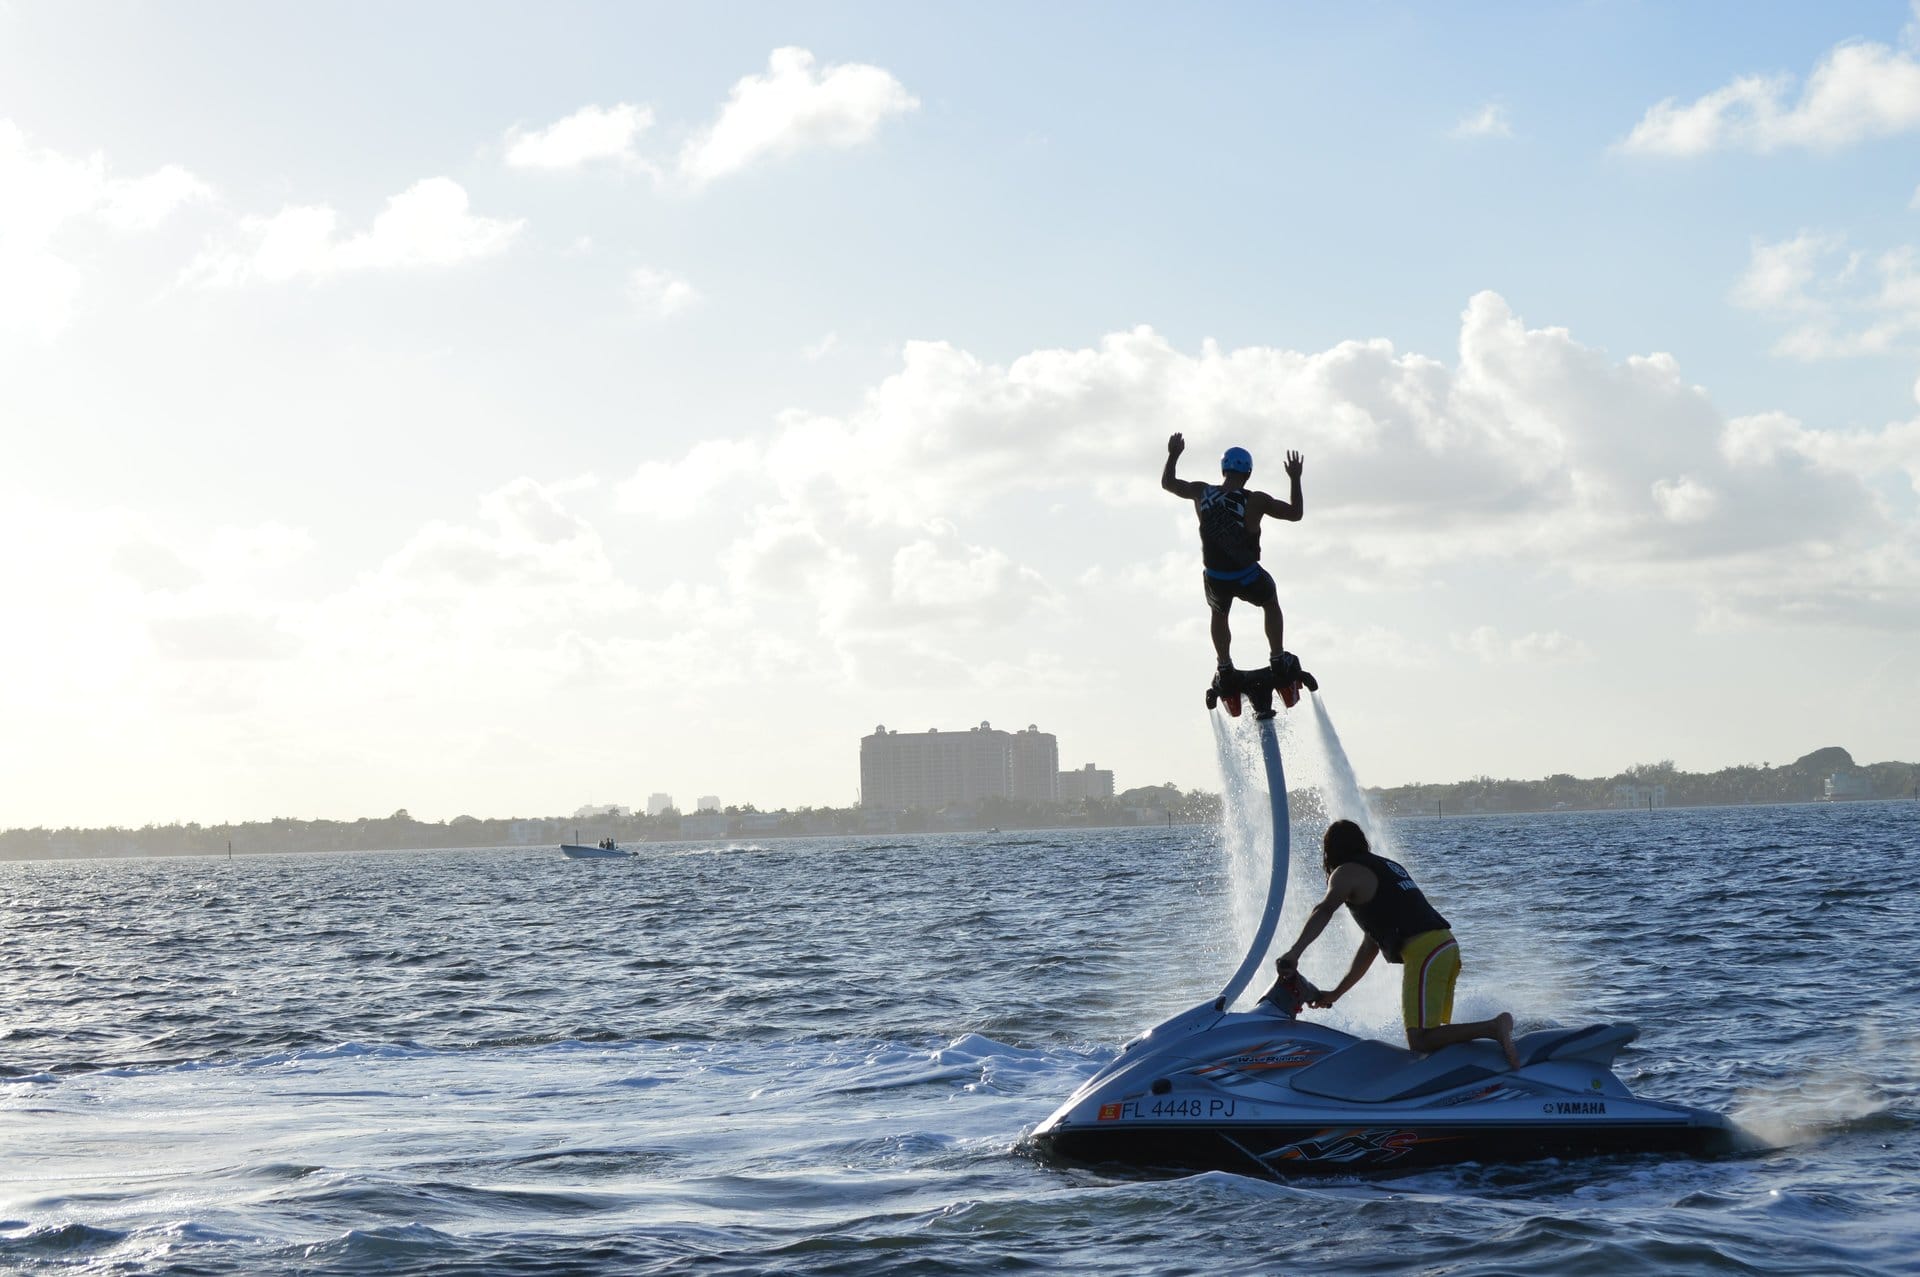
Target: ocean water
(822, 1056)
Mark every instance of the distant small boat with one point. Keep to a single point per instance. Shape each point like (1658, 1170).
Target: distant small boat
(574, 851)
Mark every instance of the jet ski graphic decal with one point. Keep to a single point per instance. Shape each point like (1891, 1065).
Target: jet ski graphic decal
(1373, 1145)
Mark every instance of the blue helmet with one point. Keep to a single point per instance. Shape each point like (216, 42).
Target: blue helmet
(1237, 461)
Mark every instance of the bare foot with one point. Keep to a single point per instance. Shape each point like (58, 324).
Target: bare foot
(1503, 1033)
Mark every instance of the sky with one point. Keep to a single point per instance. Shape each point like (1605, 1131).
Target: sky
(491, 409)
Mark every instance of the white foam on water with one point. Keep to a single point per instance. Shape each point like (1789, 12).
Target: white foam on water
(1826, 1096)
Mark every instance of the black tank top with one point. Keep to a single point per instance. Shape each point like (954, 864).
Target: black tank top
(1227, 542)
(1398, 911)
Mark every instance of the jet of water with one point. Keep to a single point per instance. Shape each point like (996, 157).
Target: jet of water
(1323, 788)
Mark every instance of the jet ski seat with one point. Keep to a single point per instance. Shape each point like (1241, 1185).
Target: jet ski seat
(1372, 1072)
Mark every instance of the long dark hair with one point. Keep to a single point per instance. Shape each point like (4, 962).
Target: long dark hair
(1344, 841)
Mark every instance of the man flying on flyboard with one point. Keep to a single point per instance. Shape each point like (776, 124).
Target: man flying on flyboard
(1230, 514)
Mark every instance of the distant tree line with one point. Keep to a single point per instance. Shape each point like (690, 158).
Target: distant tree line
(1661, 784)
(1803, 780)
(400, 831)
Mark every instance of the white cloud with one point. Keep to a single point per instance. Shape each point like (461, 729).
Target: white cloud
(1489, 121)
(527, 539)
(222, 636)
(1840, 302)
(1372, 647)
(1684, 500)
(662, 293)
(1534, 451)
(1779, 275)
(593, 134)
(427, 225)
(47, 197)
(1539, 648)
(153, 565)
(1859, 90)
(966, 536)
(684, 488)
(936, 575)
(1765, 439)
(794, 107)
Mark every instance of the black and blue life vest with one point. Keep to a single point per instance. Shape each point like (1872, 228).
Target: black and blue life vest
(1229, 543)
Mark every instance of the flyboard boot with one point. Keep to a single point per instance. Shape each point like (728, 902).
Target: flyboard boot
(1233, 687)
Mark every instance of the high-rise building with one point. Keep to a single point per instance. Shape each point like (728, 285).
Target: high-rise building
(1034, 765)
(657, 803)
(1088, 782)
(935, 769)
(708, 802)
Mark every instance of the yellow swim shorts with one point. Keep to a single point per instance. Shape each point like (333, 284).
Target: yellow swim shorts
(1430, 963)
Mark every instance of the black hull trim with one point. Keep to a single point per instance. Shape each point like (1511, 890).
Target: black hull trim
(1283, 1152)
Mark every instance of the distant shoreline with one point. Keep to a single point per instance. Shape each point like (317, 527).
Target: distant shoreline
(126, 852)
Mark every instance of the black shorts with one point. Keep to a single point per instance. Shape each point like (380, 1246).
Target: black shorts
(1257, 590)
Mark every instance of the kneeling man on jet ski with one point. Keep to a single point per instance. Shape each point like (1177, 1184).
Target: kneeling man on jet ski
(1399, 923)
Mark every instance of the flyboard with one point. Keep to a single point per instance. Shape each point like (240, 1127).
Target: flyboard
(1230, 687)
(1263, 1092)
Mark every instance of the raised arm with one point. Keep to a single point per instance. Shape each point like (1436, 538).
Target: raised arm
(1292, 508)
(1178, 487)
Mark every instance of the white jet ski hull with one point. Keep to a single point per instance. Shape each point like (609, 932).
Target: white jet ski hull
(1259, 1092)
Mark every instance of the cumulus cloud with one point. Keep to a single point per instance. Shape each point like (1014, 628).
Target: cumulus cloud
(591, 135)
(1774, 438)
(46, 198)
(661, 292)
(938, 575)
(978, 533)
(427, 225)
(1545, 647)
(526, 537)
(1837, 300)
(1532, 449)
(1684, 500)
(222, 636)
(153, 565)
(794, 107)
(1489, 121)
(682, 489)
(1859, 90)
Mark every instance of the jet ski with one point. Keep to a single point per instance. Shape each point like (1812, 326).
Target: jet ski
(1263, 1092)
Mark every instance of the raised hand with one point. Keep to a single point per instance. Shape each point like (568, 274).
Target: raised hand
(1176, 445)
(1295, 464)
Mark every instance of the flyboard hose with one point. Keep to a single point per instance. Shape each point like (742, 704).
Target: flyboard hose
(1277, 871)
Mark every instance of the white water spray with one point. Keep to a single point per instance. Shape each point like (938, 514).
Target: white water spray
(1322, 788)
(1243, 825)
(1340, 794)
